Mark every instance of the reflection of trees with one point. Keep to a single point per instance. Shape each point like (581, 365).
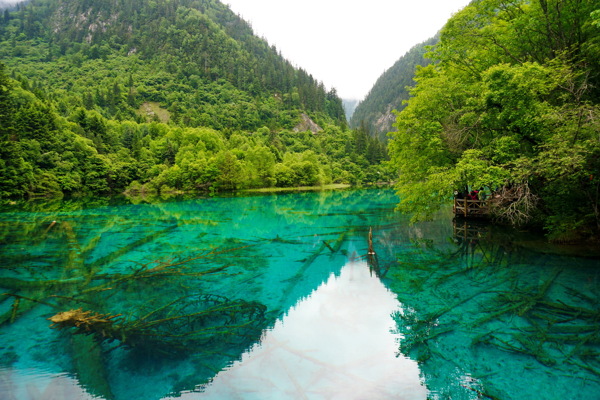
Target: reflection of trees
(201, 263)
(144, 311)
(485, 309)
(61, 262)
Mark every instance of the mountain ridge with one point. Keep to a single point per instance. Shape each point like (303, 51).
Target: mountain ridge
(375, 111)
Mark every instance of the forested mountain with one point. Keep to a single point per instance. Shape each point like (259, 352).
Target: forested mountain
(183, 53)
(511, 105)
(98, 95)
(375, 112)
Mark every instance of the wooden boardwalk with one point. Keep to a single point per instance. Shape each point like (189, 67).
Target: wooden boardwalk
(471, 208)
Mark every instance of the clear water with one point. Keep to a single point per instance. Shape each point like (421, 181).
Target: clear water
(443, 310)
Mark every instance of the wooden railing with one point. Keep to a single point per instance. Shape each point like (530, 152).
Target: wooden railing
(470, 208)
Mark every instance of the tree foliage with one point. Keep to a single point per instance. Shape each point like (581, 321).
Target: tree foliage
(44, 153)
(195, 58)
(103, 96)
(511, 103)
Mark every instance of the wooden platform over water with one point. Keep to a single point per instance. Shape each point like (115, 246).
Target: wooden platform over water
(471, 208)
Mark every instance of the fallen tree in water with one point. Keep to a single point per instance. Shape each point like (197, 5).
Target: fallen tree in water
(178, 327)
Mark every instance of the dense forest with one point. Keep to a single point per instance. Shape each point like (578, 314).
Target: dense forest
(101, 96)
(104, 96)
(375, 113)
(512, 105)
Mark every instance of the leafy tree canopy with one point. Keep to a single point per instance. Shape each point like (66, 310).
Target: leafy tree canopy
(511, 105)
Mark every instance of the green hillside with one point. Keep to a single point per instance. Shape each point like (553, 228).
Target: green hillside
(375, 112)
(166, 94)
(193, 57)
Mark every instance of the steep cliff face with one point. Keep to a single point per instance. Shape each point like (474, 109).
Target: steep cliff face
(375, 112)
(307, 124)
(386, 119)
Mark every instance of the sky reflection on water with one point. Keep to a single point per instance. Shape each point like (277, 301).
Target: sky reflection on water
(37, 384)
(335, 344)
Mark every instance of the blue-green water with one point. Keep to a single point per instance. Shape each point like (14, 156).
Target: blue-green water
(276, 297)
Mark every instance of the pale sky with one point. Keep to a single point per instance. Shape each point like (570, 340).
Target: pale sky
(346, 44)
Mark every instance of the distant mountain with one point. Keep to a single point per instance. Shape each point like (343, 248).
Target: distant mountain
(6, 3)
(374, 113)
(349, 107)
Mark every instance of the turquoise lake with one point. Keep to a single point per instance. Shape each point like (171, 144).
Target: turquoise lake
(285, 296)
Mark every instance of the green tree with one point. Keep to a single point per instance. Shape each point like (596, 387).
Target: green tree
(262, 161)
(510, 104)
(231, 171)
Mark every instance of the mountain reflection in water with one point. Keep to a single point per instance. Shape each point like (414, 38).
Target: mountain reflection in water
(445, 310)
(335, 344)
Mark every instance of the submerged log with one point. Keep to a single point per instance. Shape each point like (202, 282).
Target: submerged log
(176, 328)
(371, 249)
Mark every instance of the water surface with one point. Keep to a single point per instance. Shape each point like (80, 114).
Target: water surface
(283, 301)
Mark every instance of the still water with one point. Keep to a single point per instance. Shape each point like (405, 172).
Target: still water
(277, 297)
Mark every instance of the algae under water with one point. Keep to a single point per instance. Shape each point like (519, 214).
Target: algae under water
(276, 297)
